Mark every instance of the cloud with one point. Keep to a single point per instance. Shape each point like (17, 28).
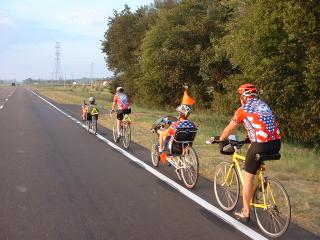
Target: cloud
(85, 18)
(5, 20)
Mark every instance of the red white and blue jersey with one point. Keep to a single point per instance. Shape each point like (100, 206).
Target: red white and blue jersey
(122, 100)
(180, 124)
(259, 121)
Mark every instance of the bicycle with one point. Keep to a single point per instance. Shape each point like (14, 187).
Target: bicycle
(181, 155)
(125, 130)
(91, 118)
(270, 200)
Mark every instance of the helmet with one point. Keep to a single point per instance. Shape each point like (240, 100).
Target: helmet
(184, 110)
(247, 90)
(119, 89)
(91, 100)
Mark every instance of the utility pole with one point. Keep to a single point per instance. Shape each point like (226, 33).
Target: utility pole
(91, 75)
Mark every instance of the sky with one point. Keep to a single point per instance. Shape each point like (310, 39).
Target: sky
(30, 29)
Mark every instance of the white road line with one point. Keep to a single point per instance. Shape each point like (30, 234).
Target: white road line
(225, 217)
(6, 99)
(1, 106)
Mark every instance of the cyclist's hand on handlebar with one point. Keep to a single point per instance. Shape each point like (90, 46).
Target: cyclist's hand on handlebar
(216, 138)
(213, 140)
(247, 140)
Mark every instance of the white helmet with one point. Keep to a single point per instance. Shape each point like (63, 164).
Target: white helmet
(91, 100)
(119, 89)
(184, 110)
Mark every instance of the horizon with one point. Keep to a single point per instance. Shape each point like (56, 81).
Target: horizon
(31, 28)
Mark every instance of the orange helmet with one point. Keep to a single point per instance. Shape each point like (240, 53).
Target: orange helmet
(247, 90)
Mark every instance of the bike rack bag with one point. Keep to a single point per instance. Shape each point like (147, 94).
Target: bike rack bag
(182, 137)
(185, 135)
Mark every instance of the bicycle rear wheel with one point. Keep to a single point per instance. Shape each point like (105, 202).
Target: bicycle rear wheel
(126, 138)
(273, 220)
(190, 170)
(155, 156)
(88, 125)
(226, 186)
(115, 131)
(94, 124)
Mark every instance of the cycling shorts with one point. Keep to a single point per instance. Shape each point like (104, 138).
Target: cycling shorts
(121, 112)
(251, 165)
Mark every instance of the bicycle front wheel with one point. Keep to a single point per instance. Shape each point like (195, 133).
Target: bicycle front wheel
(115, 131)
(126, 140)
(190, 168)
(155, 156)
(274, 214)
(226, 186)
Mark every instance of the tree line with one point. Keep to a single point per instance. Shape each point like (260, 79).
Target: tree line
(213, 46)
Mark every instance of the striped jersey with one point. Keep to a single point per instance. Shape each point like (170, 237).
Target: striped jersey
(259, 121)
(122, 100)
(180, 124)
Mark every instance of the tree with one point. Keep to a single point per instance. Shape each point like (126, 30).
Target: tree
(122, 44)
(176, 51)
(278, 53)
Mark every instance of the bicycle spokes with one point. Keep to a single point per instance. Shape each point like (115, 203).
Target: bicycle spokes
(272, 208)
(226, 186)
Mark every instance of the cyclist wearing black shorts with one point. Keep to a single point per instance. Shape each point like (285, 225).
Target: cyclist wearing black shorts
(264, 135)
(121, 101)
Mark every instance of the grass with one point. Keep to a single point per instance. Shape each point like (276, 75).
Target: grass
(298, 170)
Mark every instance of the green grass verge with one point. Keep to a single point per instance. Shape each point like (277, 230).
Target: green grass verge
(298, 169)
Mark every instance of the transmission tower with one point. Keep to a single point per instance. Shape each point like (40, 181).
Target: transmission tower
(58, 71)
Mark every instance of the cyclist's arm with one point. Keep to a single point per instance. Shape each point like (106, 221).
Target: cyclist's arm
(163, 132)
(228, 130)
(113, 106)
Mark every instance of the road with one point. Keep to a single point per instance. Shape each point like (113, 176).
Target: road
(57, 181)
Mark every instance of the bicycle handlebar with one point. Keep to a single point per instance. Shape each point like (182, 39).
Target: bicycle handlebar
(227, 141)
(110, 112)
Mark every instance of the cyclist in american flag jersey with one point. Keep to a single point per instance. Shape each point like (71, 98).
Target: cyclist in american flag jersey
(121, 100)
(183, 122)
(264, 135)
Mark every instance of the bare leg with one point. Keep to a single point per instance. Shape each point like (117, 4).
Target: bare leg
(247, 192)
(161, 142)
(118, 126)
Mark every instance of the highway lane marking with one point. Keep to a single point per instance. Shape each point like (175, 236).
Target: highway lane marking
(200, 201)
(1, 107)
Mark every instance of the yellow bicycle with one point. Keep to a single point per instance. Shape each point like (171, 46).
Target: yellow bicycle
(125, 130)
(270, 200)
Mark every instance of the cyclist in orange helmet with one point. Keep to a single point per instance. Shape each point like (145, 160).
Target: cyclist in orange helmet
(263, 132)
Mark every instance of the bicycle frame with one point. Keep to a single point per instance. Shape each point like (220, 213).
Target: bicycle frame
(176, 161)
(266, 190)
(126, 119)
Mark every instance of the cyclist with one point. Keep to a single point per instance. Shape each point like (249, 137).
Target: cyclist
(87, 109)
(123, 106)
(166, 135)
(264, 135)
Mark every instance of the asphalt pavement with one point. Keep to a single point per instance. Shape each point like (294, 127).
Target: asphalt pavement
(57, 181)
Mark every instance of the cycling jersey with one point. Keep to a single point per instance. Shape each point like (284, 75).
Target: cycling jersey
(258, 120)
(122, 100)
(92, 109)
(180, 124)
(169, 141)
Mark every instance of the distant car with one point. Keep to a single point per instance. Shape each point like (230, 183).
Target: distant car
(13, 84)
